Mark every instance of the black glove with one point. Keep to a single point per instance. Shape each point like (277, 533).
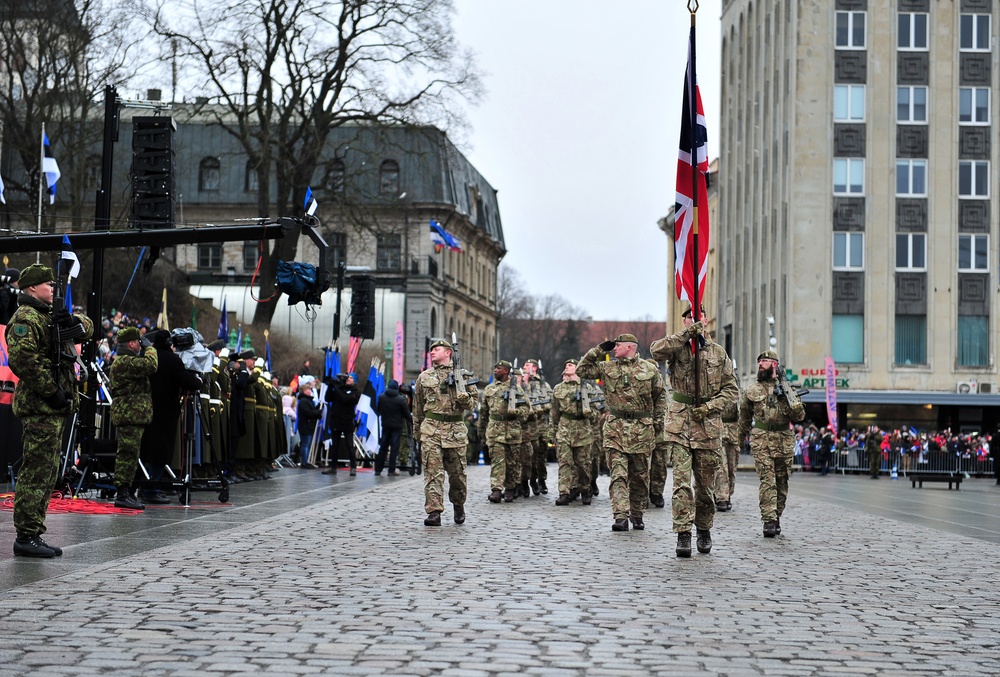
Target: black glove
(63, 317)
(58, 400)
(607, 346)
(145, 342)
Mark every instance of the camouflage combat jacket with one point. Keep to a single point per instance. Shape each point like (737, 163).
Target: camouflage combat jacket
(439, 411)
(717, 389)
(635, 399)
(29, 350)
(764, 411)
(497, 424)
(572, 424)
(131, 394)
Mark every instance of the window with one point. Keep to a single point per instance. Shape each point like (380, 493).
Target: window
(335, 173)
(848, 339)
(974, 105)
(851, 30)
(848, 251)
(848, 103)
(911, 339)
(848, 176)
(973, 253)
(389, 177)
(973, 178)
(973, 341)
(250, 177)
(209, 256)
(911, 178)
(974, 33)
(251, 252)
(912, 31)
(209, 174)
(911, 251)
(389, 253)
(338, 248)
(911, 104)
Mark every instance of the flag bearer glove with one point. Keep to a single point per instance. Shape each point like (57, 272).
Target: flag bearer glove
(696, 329)
(63, 317)
(700, 412)
(57, 400)
(607, 346)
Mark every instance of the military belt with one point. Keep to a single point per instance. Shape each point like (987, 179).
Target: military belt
(682, 398)
(771, 428)
(575, 417)
(443, 417)
(631, 415)
(503, 417)
(215, 401)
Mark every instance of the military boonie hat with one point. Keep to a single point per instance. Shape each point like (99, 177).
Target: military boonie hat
(128, 334)
(768, 355)
(626, 338)
(444, 343)
(34, 274)
(503, 364)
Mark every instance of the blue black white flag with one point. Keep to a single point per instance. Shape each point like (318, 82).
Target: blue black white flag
(442, 238)
(310, 204)
(50, 168)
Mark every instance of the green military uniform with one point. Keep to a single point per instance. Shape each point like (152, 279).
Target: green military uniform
(45, 395)
(540, 394)
(659, 462)
(635, 399)
(131, 405)
(766, 417)
(439, 427)
(572, 415)
(502, 417)
(873, 447)
(472, 448)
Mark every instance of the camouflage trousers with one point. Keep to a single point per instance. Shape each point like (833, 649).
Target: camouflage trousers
(526, 454)
(773, 453)
(725, 479)
(43, 440)
(574, 468)
(539, 462)
(505, 471)
(693, 504)
(127, 458)
(629, 488)
(658, 468)
(437, 461)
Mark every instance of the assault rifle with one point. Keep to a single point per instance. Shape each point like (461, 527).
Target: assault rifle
(784, 389)
(460, 378)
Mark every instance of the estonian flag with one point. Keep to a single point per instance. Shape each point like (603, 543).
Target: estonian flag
(50, 168)
(68, 255)
(309, 204)
(442, 238)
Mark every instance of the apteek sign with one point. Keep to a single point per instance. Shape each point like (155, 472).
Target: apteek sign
(815, 378)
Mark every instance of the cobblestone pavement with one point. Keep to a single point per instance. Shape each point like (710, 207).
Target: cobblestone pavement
(356, 585)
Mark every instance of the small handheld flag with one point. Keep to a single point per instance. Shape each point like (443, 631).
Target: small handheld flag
(310, 203)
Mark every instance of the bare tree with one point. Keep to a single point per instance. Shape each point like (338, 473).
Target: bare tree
(282, 74)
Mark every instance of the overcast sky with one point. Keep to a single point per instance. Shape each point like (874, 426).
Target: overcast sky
(579, 132)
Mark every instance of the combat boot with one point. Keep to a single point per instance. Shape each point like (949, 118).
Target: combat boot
(563, 499)
(32, 546)
(574, 494)
(125, 498)
(542, 488)
(525, 491)
(495, 496)
(620, 525)
(585, 497)
(433, 519)
(459, 514)
(656, 500)
(508, 496)
(534, 486)
(704, 541)
(770, 529)
(777, 527)
(56, 550)
(637, 523)
(593, 488)
(683, 544)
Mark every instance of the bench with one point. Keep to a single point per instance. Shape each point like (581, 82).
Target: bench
(950, 479)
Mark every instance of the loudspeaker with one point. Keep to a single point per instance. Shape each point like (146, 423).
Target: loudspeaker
(153, 172)
(363, 306)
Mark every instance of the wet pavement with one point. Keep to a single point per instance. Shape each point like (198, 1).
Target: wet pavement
(306, 574)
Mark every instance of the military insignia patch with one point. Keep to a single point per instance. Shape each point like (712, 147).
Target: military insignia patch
(20, 330)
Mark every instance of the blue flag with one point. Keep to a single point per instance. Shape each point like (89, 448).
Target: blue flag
(442, 238)
(224, 322)
(310, 204)
(50, 168)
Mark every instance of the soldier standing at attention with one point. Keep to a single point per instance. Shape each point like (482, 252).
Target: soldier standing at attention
(439, 426)
(694, 433)
(44, 396)
(501, 423)
(771, 407)
(873, 447)
(635, 399)
(131, 409)
(571, 417)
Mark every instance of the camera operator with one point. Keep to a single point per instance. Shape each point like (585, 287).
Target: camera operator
(8, 294)
(131, 409)
(342, 397)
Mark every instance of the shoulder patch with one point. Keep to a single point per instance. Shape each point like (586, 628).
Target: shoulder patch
(20, 330)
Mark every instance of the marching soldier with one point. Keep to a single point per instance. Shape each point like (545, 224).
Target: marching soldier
(540, 394)
(572, 415)
(501, 423)
(131, 409)
(725, 479)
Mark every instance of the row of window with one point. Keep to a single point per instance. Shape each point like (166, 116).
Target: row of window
(911, 104)
(973, 350)
(210, 176)
(911, 178)
(913, 29)
(388, 253)
(911, 252)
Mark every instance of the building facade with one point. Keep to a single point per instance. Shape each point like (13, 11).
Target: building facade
(857, 205)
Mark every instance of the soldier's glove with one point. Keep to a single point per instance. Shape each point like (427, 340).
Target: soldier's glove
(145, 342)
(58, 400)
(63, 317)
(696, 329)
(700, 412)
(607, 346)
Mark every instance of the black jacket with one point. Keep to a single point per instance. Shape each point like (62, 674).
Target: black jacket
(308, 413)
(167, 385)
(392, 408)
(342, 400)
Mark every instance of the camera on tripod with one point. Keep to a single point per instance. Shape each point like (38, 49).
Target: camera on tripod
(182, 341)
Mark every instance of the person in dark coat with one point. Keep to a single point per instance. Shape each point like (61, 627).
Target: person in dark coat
(307, 414)
(167, 384)
(342, 396)
(394, 413)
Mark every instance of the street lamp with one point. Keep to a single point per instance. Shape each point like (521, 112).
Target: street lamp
(772, 341)
(388, 355)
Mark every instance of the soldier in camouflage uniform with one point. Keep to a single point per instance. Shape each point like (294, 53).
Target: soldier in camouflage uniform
(694, 431)
(636, 400)
(539, 392)
(439, 427)
(658, 463)
(131, 409)
(502, 413)
(45, 395)
(725, 479)
(572, 415)
(772, 442)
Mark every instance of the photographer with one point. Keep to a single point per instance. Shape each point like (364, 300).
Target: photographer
(342, 397)
(131, 409)
(8, 294)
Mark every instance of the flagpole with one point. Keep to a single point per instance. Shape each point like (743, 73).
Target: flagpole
(41, 182)
(693, 113)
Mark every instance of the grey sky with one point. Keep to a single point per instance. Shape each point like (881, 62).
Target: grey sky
(579, 134)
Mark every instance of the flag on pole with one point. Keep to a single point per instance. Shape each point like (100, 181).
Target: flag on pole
(310, 204)
(353, 348)
(161, 320)
(239, 340)
(50, 168)
(3, 200)
(831, 393)
(267, 350)
(442, 238)
(68, 255)
(691, 172)
(331, 365)
(368, 422)
(69, 297)
(397, 353)
(224, 322)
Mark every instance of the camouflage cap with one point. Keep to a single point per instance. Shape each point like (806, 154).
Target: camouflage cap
(626, 338)
(444, 343)
(34, 274)
(128, 334)
(768, 355)
(503, 364)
